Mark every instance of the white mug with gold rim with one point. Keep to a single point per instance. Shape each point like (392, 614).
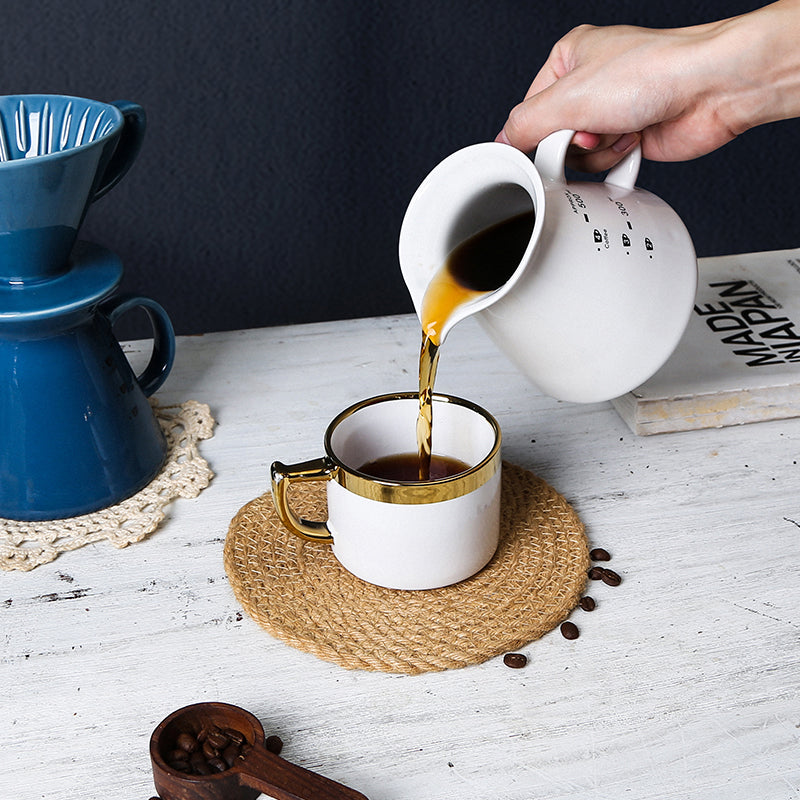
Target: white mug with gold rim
(403, 535)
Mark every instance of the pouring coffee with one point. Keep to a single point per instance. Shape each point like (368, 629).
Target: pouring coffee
(475, 267)
(603, 284)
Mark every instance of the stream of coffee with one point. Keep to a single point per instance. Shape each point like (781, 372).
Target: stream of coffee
(477, 266)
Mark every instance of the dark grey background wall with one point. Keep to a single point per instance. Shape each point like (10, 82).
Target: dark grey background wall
(286, 138)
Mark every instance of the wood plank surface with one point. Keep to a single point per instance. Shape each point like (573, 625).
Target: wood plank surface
(684, 683)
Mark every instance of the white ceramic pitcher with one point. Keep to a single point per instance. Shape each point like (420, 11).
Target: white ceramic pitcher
(607, 282)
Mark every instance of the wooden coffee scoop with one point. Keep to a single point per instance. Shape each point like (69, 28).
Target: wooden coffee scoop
(254, 772)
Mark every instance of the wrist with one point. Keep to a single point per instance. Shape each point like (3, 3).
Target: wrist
(756, 64)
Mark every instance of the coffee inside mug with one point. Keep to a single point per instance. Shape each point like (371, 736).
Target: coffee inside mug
(385, 427)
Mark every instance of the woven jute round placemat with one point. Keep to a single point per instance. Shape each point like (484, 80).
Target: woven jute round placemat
(299, 593)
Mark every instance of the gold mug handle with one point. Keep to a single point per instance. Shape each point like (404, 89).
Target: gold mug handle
(283, 476)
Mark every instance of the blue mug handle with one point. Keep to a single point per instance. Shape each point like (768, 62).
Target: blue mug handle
(128, 146)
(163, 355)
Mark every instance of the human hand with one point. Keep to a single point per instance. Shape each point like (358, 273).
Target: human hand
(681, 92)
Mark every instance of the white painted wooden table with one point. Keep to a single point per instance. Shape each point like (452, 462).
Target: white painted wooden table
(684, 683)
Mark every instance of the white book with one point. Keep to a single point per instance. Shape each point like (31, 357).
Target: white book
(739, 359)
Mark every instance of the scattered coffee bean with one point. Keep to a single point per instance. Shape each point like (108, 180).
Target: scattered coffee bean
(587, 603)
(515, 660)
(610, 577)
(595, 573)
(599, 554)
(274, 744)
(569, 630)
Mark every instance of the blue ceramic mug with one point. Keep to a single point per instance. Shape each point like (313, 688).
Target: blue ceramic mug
(77, 433)
(57, 155)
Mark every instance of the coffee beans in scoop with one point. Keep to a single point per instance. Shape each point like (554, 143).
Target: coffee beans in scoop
(210, 751)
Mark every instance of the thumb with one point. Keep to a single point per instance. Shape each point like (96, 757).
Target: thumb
(536, 117)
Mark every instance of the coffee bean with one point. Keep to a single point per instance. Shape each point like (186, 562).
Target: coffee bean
(595, 573)
(569, 630)
(611, 578)
(198, 764)
(587, 603)
(217, 764)
(229, 754)
(599, 554)
(217, 739)
(515, 660)
(235, 736)
(208, 751)
(186, 742)
(274, 744)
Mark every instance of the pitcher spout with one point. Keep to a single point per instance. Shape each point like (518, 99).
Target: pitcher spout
(466, 196)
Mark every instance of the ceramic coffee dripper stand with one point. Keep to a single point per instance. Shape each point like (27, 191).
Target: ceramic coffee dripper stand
(259, 771)
(77, 431)
(605, 287)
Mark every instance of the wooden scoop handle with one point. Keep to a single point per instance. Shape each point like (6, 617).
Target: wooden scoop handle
(283, 780)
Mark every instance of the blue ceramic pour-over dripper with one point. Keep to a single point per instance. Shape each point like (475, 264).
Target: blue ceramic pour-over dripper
(77, 433)
(57, 155)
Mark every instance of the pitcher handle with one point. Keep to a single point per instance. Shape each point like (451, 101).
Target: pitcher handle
(128, 146)
(626, 172)
(163, 355)
(551, 156)
(283, 476)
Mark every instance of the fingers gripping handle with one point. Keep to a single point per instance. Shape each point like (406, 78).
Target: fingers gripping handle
(283, 476)
(551, 155)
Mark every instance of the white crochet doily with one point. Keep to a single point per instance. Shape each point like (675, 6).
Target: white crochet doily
(25, 545)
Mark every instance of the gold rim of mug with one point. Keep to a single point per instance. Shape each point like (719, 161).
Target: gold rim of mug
(414, 492)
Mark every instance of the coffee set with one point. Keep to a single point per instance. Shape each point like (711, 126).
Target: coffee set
(593, 303)
(77, 431)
